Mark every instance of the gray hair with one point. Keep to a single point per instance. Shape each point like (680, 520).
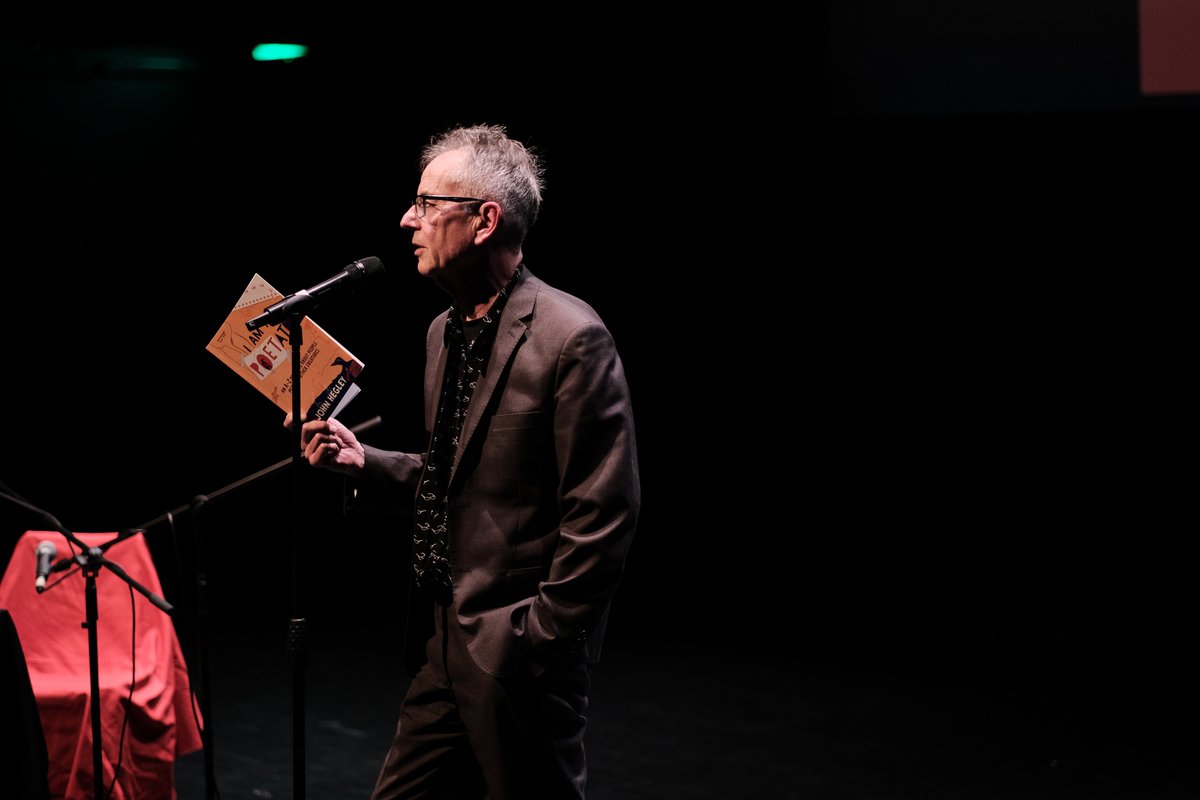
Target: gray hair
(497, 168)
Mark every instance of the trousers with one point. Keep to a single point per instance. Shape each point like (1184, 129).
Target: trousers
(464, 733)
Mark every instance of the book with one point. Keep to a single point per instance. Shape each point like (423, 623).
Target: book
(328, 371)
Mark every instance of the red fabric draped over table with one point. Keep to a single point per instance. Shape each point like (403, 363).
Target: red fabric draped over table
(163, 719)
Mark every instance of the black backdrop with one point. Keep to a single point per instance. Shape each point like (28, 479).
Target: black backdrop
(143, 199)
(911, 342)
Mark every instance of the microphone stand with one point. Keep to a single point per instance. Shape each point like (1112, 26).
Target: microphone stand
(297, 641)
(90, 560)
(198, 504)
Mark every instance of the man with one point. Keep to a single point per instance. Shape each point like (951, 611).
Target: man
(525, 501)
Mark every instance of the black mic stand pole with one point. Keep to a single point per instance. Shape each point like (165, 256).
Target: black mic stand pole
(297, 642)
(90, 560)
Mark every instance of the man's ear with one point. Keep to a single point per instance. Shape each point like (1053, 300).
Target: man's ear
(490, 216)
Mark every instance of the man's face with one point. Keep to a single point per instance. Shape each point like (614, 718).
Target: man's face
(444, 238)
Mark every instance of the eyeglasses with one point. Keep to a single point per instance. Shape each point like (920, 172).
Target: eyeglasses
(422, 201)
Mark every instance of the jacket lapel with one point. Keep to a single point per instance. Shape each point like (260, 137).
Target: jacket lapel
(512, 329)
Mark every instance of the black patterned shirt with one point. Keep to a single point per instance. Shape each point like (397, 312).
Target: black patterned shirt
(468, 348)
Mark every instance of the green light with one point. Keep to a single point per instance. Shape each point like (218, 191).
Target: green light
(274, 51)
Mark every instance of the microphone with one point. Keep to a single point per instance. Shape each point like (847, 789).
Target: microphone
(46, 552)
(345, 281)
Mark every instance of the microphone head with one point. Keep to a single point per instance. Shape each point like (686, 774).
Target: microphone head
(45, 548)
(367, 267)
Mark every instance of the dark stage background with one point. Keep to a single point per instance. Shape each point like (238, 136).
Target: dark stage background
(143, 200)
(908, 324)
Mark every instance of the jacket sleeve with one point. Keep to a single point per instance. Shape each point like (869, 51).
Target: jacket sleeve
(388, 482)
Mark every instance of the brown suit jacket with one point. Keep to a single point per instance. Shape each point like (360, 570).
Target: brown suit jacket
(544, 491)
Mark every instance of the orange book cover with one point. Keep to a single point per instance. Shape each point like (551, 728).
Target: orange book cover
(328, 371)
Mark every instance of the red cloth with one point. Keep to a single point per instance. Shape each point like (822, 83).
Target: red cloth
(163, 717)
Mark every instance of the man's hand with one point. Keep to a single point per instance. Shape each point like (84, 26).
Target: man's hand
(331, 445)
